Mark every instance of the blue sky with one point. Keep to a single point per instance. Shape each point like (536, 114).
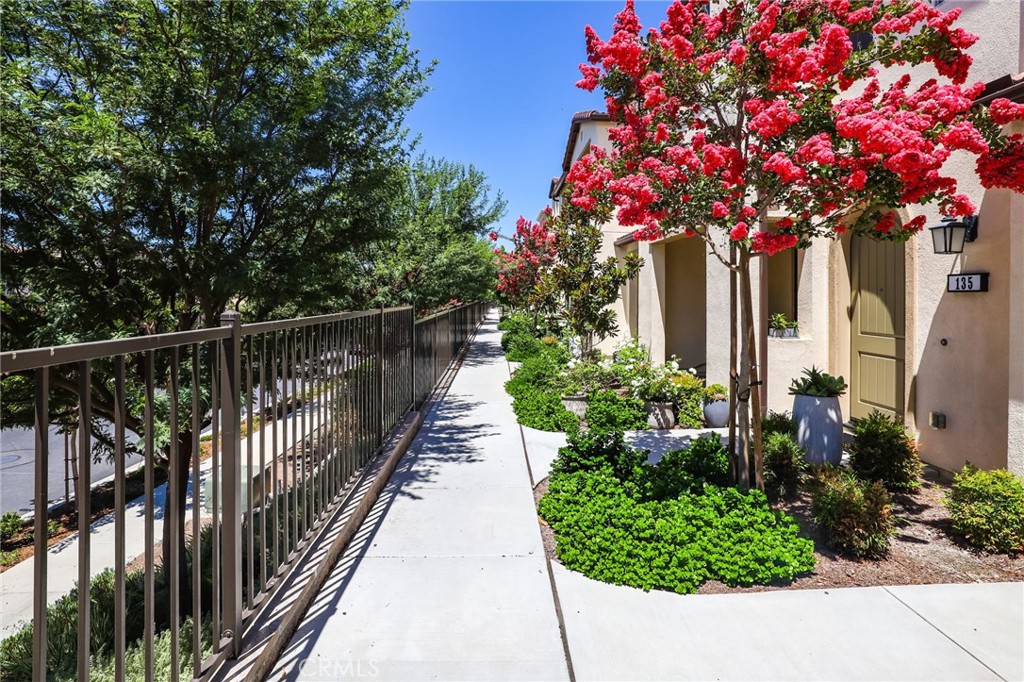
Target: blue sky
(502, 94)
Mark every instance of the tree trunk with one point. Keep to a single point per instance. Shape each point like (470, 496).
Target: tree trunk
(749, 422)
(181, 474)
(734, 450)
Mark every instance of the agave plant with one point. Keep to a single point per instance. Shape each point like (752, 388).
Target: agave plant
(818, 384)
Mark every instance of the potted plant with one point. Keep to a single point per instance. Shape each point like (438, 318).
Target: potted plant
(716, 406)
(654, 386)
(782, 327)
(818, 418)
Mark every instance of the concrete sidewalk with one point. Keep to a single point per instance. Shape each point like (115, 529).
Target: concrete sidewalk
(447, 580)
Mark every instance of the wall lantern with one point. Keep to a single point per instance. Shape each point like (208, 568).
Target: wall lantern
(949, 237)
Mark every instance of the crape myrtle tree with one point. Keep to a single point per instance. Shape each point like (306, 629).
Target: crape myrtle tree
(164, 161)
(720, 115)
(519, 270)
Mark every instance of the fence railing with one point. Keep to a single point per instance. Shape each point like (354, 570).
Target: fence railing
(257, 430)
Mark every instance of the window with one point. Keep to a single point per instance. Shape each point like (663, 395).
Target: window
(782, 283)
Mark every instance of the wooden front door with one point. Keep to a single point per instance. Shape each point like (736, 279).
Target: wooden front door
(877, 324)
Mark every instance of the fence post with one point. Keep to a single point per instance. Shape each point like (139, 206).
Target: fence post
(380, 375)
(413, 393)
(231, 517)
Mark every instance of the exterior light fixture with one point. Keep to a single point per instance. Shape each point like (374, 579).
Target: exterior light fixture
(949, 237)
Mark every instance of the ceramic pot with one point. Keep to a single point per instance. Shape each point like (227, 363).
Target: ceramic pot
(577, 404)
(819, 428)
(716, 414)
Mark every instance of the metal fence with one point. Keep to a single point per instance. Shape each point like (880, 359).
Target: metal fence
(258, 430)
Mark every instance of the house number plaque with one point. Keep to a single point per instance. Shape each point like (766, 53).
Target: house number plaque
(967, 282)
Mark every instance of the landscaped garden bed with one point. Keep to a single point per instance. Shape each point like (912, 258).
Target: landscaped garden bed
(557, 389)
(678, 525)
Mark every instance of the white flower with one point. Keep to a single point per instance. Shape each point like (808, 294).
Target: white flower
(691, 370)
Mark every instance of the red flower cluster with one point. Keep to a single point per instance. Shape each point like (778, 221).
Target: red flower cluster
(533, 252)
(682, 163)
(772, 243)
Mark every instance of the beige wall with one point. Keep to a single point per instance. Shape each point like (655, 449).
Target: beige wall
(685, 294)
(788, 357)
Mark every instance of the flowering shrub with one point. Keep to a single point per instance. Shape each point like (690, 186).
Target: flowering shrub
(719, 116)
(686, 391)
(659, 383)
(581, 377)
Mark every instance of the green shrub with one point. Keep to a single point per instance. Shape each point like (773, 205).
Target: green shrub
(600, 450)
(62, 629)
(778, 422)
(516, 322)
(687, 393)
(882, 451)
(10, 524)
(543, 410)
(519, 346)
(102, 668)
(784, 464)
(606, 411)
(704, 462)
(987, 507)
(853, 515)
(540, 372)
(606, 531)
(8, 557)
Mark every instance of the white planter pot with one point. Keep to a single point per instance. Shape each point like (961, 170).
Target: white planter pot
(819, 429)
(660, 416)
(716, 414)
(577, 404)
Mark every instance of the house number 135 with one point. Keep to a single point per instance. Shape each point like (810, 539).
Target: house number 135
(967, 282)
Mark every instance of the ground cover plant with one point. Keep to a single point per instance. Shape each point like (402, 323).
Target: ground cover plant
(608, 411)
(669, 526)
(987, 508)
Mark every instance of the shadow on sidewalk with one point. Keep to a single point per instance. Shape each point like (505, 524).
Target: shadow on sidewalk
(486, 349)
(444, 439)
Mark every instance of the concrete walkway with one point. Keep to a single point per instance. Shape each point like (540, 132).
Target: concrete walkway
(447, 580)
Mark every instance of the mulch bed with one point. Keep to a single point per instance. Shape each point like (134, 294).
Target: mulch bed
(924, 550)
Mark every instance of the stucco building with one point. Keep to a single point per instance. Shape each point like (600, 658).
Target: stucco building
(951, 365)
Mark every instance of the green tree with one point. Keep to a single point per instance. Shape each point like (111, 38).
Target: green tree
(166, 161)
(440, 253)
(579, 286)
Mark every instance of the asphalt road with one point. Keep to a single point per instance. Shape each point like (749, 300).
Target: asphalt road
(17, 468)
